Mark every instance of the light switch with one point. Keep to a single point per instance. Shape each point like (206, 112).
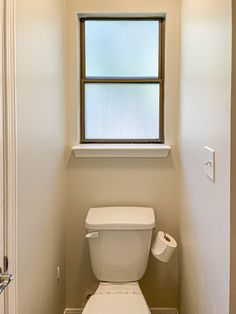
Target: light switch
(209, 163)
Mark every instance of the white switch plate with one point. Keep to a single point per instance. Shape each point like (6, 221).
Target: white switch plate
(209, 163)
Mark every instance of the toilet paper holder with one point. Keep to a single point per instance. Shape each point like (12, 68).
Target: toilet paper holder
(165, 237)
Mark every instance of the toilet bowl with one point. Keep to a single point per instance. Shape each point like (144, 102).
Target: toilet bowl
(119, 244)
(113, 298)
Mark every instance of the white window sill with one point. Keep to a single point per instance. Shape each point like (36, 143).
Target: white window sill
(121, 150)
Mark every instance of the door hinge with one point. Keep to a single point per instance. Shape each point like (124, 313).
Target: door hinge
(5, 264)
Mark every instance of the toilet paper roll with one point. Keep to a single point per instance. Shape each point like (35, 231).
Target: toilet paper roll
(163, 246)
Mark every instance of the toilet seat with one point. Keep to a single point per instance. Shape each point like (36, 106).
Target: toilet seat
(117, 298)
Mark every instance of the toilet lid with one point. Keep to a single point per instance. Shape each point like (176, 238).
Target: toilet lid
(116, 304)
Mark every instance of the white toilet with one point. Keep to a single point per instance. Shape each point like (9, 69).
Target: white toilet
(119, 243)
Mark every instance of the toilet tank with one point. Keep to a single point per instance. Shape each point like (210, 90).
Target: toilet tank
(119, 242)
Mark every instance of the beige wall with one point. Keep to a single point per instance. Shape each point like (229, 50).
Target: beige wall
(104, 182)
(233, 171)
(205, 120)
(41, 165)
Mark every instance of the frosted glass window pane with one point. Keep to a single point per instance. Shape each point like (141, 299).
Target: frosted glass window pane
(122, 111)
(121, 48)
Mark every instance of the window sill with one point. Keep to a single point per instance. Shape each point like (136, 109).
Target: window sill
(121, 150)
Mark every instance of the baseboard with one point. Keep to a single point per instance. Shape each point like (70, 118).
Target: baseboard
(73, 311)
(154, 310)
(163, 310)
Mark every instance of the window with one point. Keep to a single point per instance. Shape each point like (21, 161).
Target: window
(122, 80)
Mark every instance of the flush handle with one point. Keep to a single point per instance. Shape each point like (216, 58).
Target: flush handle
(92, 235)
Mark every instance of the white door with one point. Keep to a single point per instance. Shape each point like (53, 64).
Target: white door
(1, 153)
(5, 279)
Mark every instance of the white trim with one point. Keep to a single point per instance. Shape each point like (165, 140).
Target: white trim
(10, 159)
(154, 310)
(121, 150)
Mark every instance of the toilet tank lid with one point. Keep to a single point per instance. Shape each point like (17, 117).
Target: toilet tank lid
(120, 218)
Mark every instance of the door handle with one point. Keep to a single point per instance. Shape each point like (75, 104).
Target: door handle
(5, 279)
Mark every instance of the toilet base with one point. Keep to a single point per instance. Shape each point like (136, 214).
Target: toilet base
(117, 298)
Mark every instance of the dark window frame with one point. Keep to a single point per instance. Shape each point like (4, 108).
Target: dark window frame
(145, 80)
